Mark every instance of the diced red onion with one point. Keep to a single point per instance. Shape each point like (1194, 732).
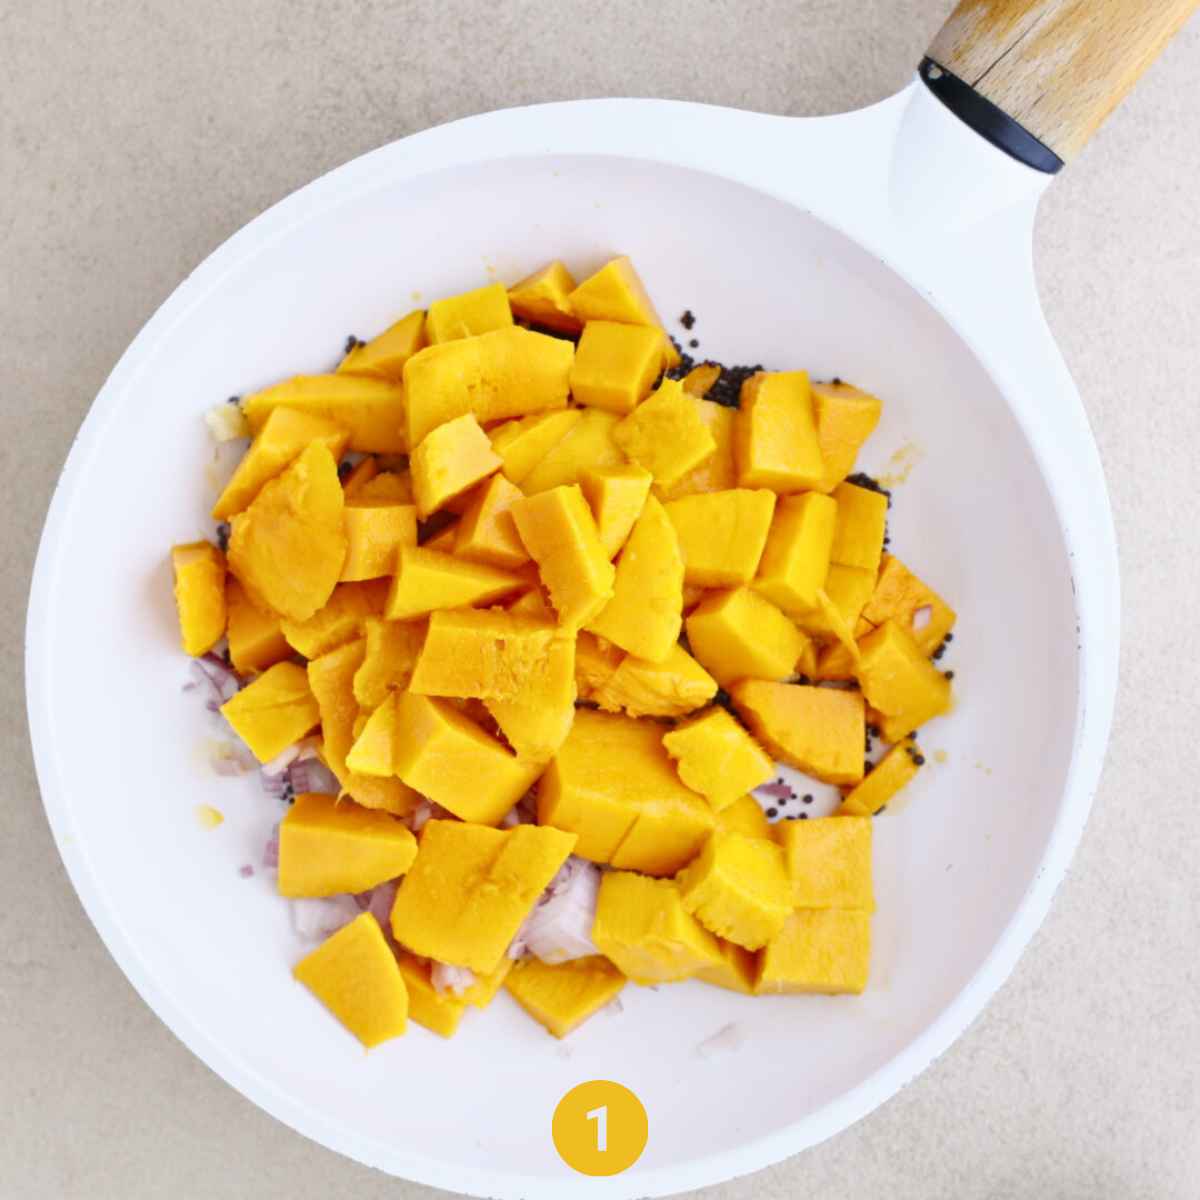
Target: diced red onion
(559, 929)
(318, 918)
(275, 786)
(448, 978)
(246, 871)
(775, 791)
(378, 902)
(217, 677)
(419, 815)
(280, 763)
(270, 858)
(312, 775)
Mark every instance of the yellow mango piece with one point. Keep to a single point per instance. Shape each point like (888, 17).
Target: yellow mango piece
(388, 659)
(542, 299)
(901, 597)
(722, 534)
(199, 569)
(795, 562)
(616, 496)
(533, 603)
(427, 580)
(285, 432)
(895, 770)
(468, 314)
(274, 711)
(718, 472)
(374, 749)
(775, 434)
(596, 662)
(450, 459)
(840, 602)
(828, 862)
(716, 757)
(327, 847)
(692, 595)
(699, 381)
(736, 972)
(374, 534)
(338, 621)
(587, 445)
(665, 434)
(900, 682)
(645, 613)
(360, 474)
(388, 487)
(859, 531)
(442, 541)
(744, 815)
(836, 662)
(615, 365)
(485, 988)
(465, 897)
(522, 444)
(559, 532)
(256, 640)
(738, 634)
(288, 546)
(672, 688)
(536, 721)
(846, 417)
(818, 951)
(504, 373)
(487, 532)
(371, 411)
(643, 928)
(384, 356)
(820, 731)
(616, 293)
(444, 755)
(738, 889)
(667, 834)
(563, 996)
(439, 1012)
(354, 974)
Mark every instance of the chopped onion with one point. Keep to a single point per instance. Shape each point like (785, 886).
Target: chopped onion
(559, 929)
(312, 775)
(726, 1040)
(226, 422)
(245, 871)
(447, 978)
(217, 678)
(922, 617)
(316, 919)
(270, 858)
(280, 763)
(378, 902)
(419, 815)
(275, 786)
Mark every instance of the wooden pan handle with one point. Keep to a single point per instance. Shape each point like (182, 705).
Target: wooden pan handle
(1056, 68)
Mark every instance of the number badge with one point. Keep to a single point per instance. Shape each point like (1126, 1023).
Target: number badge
(600, 1128)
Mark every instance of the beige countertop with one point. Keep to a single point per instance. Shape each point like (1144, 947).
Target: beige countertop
(135, 137)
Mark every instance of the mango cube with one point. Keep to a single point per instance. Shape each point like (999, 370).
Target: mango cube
(374, 749)
(859, 531)
(363, 471)
(818, 951)
(389, 656)
(328, 846)
(616, 293)
(745, 815)
(274, 711)
(900, 682)
(738, 634)
(667, 834)
(736, 972)
(738, 889)
(354, 974)
(558, 530)
(615, 365)
(256, 640)
(384, 356)
(840, 603)
(465, 897)
(643, 928)
(337, 621)
(672, 688)
(795, 562)
(718, 472)
(716, 757)
(775, 434)
(645, 613)
(450, 460)
(722, 534)
(616, 496)
(427, 580)
(561, 997)
(444, 755)
(371, 411)
(486, 532)
(820, 731)
(199, 570)
(828, 862)
(522, 444)
(439, 1012)
(383, 487)
(589, 444)
(846, 417)
(665, 434)
(468, 314)
(901, 597)
(537, 721)
(374, 534)
(543, 299)
(895, 770)
(596, 662)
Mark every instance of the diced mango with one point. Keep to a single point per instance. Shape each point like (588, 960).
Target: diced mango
(859, 531)
(444, 755)
(389, 657)
(363, 471)
(667, 834)
(374, 749)
(442, 541)
(615, 365)
(643, 928)
(256, 640)
(465, 897)
(522, 444)
(820, 731)
(384, 356)
(563, 996)
(795, 562)
(616, 496)
(587, 445)
(468, 314)
(901, 597)
(672, 688)
(486, 532)
(692, 595)
(895, 770)
(558, 530)
(338, 621)
(288, 546)
(818, 951)
(738, 634)
(716, 757)
(284, 434)
(199, 569)
(775, 435)
(665, 434)
(900, 682)
(374, 534)
(700, 380)
(596, 662)
(840, 602)
(738, 889)
(354, 974)
(846, 417)
(486, 987)
(439, 1012)
(828, 862)
(836, 662)
(542, 299)
(370, 410)
(722, 534)
(537, 721)
(273, 711)
(744, 815)
(387, 487)
(736, 972)
(718, 472)
(616, 293)
(427, 580)
(450, 460)
(533, 603)
(328, 846)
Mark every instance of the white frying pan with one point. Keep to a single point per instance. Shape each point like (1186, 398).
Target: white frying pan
(890, 246)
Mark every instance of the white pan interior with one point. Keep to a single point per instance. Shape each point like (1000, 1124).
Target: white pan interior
(123, 749)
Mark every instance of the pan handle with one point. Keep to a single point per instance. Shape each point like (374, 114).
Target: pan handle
(1038, 77)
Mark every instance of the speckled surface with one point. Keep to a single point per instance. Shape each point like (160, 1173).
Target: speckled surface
(135, 137)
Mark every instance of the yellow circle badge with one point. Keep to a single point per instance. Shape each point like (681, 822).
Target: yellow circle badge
(600, 1128)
